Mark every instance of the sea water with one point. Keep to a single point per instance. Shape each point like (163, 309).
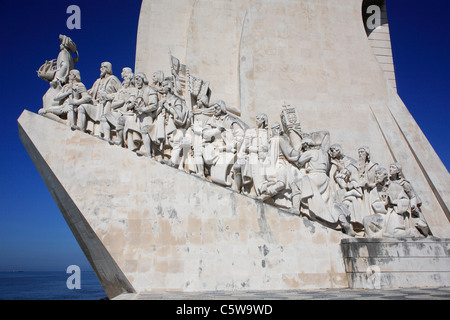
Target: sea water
(48, 285)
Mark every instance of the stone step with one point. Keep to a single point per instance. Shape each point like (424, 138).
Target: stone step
(396, 263)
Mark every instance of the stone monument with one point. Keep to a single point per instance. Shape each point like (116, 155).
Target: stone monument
(280, 157)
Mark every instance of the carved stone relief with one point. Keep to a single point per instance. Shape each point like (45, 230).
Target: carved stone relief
(173, 120)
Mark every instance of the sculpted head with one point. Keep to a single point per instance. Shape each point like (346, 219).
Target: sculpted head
(140, 79)
(364, 153)
(166, 87)
(105, 69)
(202, 101)
(276, 129)
(127, 75)
(158, 76)
(126, 72)
(381, 175)
(336, 151)
(262, 120)
(219, 107)
(395, 169)
(74, 76)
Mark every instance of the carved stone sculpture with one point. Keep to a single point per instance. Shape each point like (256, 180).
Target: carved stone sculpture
(350, 194)
(145, 106)
(65, 62)
(118, 112)
(69, 99)
(56, 72)
(102, 93)
(157, 80)
(277, 170)
(254, 152)
(390, 204)
(172, 119)
(195, 134)
(339, 160)
(291, 124)
(367, 178)
(311, 192)
(287, 168)
(417, 218)
(344, 183)
(225, 135)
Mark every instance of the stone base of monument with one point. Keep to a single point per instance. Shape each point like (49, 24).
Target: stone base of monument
(147, 227)
(396, 263)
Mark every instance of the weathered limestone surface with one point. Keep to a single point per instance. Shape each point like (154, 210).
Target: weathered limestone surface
(397, 263)
(314, 55)
(145, 226)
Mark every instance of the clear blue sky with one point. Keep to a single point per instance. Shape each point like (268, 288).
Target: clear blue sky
(33, 233)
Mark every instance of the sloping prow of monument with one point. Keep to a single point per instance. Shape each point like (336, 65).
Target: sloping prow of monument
(145, 226)
(110, 276)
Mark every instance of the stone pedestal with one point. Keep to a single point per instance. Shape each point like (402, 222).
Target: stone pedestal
(396, 263)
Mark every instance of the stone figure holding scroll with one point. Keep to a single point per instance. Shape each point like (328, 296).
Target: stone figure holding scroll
(314, 160)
